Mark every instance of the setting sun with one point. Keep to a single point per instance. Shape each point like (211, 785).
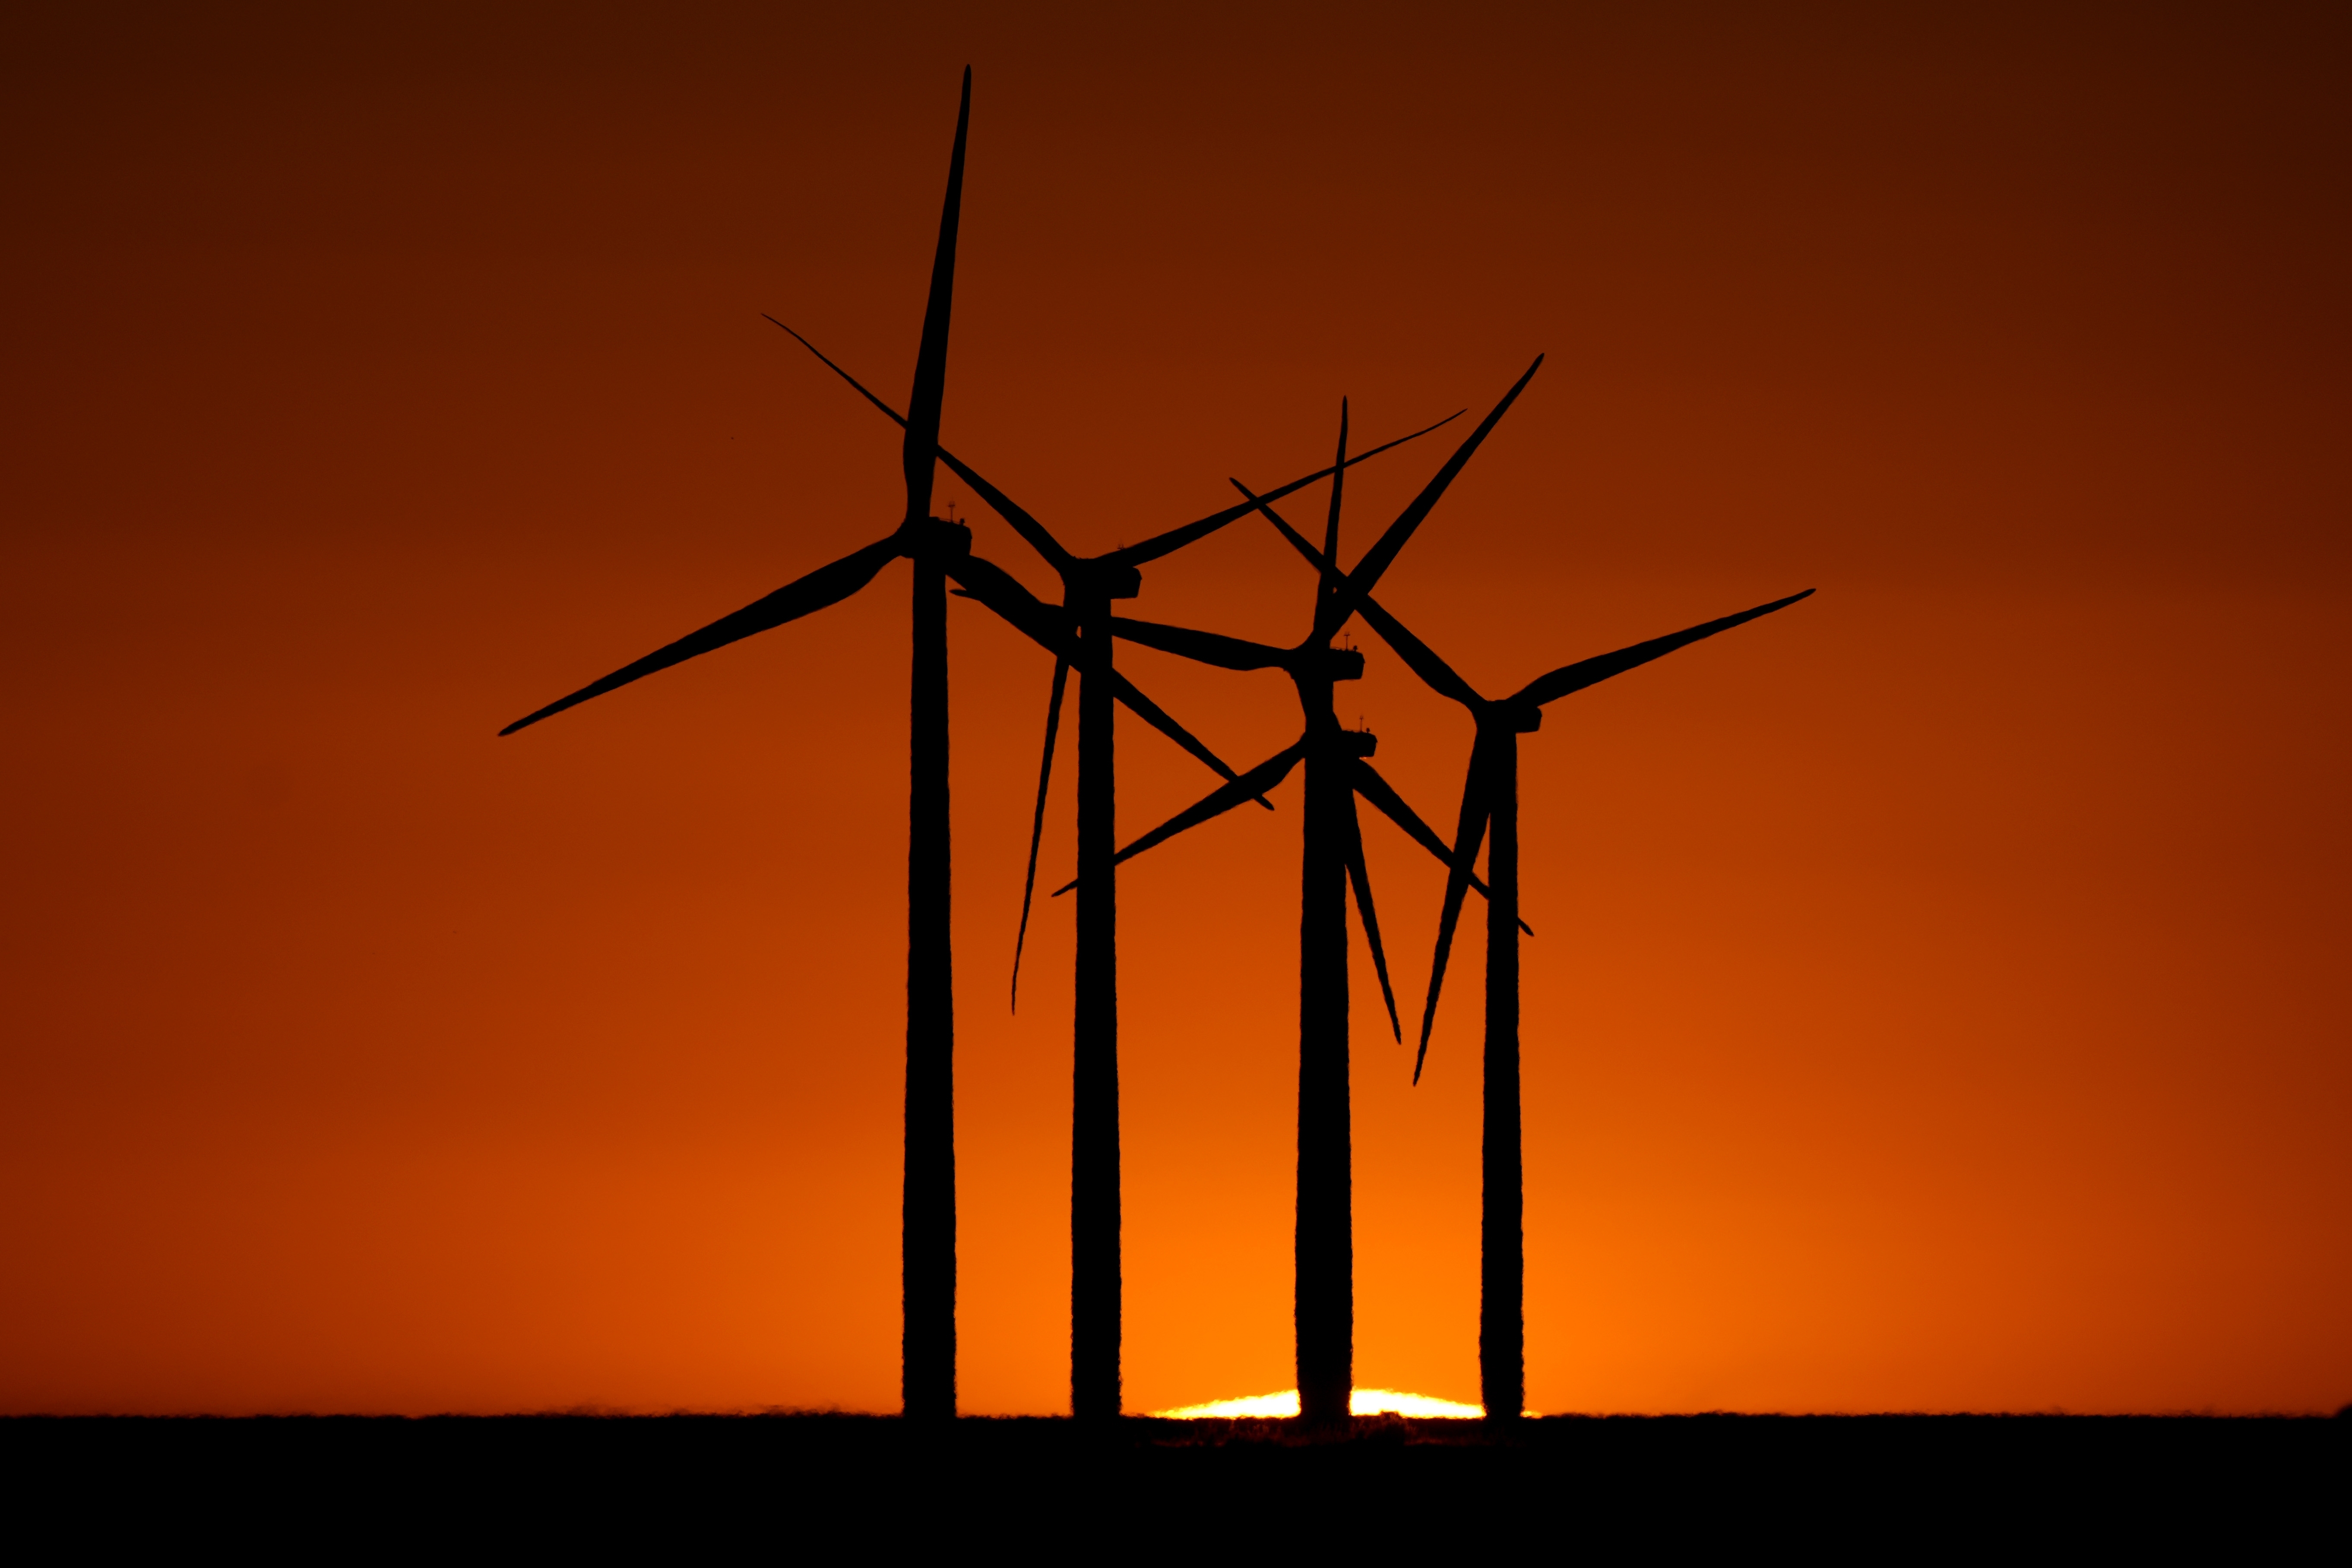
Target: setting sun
(1361, 1402)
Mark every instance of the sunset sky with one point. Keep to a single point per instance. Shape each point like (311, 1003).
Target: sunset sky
(1940, 993)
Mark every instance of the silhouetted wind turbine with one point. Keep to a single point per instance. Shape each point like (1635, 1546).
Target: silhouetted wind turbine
(1332, 856)
(1490, 796)
(1089, 584)
(939, 550)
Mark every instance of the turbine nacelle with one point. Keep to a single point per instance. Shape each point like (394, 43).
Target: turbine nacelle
(934, 537)
(1104, 578)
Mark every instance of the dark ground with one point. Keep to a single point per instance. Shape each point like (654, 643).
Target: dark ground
(1165, 1488)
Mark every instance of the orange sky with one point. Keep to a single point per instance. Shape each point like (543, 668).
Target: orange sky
(1940, 995)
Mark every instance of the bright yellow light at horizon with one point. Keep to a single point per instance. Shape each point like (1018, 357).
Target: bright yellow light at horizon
(1361, 1402)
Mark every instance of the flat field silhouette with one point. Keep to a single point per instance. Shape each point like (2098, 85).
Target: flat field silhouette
(1194, 1486)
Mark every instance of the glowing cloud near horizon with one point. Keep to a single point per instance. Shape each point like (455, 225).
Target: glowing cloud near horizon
(1361, 1402)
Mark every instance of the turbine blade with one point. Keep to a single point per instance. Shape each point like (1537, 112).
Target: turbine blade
(1468, 836)
(1592, 671)
(828, 585)
(863, 390)
(1152, 714)
(1418, 655)
(1331, 523)
(1367, 573)
(920, 450)
(1391, 805)
(1003, 506)
(1048, 626)
(1361, 877)
(1037, 824)
(1205, 647)
(1176, 539)
(1214, 804)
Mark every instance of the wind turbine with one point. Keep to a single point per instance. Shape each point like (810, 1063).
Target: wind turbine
(1490, 803)
(939, 551)
(1089, 585)
(1339, 769)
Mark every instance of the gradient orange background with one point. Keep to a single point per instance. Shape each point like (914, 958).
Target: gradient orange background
(1940, 994)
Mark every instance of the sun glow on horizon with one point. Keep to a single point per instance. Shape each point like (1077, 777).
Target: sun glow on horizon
(1361, 1402)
